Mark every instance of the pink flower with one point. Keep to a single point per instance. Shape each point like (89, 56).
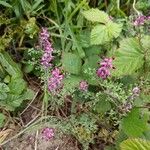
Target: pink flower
(55, 80)
(47, 48)
(136, 91)
(140, 20)
(103, 72)
(107, 62)
(47, 133)
(83, 86)
(105, 66)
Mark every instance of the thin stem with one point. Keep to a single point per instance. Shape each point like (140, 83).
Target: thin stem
(134, 2)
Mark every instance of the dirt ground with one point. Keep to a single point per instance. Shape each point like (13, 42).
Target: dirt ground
(34, 142)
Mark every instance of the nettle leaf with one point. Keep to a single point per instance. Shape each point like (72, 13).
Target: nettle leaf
(71, 63)
(134, 124)
(135, 144)
(101, 34)
(128, 58)
(17, 86)
(95, 15)
(145, 42)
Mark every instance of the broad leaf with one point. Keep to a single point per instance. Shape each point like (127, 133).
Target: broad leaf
(101, 34)
(9, 65)
(133, 124)
(135, 144)
(72, 81)
(17, 85)
(128, 58)
(71, 63)
(96, 15)
(102, 106)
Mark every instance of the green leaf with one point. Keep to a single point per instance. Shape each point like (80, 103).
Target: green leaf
(72, 81)
(28, 94)
(17, 85)
(96, 15)
(135, 144)
(9, 65)
(91, 63)
(102, 106)
(4, 89)
(145, 42)
(128, 58)
(2, 119)
(71, 63)
(101, 34)
(5, 4)
(133, 124)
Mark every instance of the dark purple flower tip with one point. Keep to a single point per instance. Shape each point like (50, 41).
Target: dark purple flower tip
(107, 62)
(103, 72)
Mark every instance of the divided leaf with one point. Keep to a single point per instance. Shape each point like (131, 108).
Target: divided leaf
(128, 58)
(96, 15)
(101, 34)
(71, 63)
(135, 144)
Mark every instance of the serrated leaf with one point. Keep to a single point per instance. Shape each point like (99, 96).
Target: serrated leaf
(101, 34)
(17, 85)
(96, 15)
(135, 144)
(145, 42)
(71, 63)
(128, 58)
(133, 124)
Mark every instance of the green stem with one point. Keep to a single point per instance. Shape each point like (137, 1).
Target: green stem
(134, 2)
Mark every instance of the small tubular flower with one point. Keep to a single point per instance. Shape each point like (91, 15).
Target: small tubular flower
(104, 69)
(46, 46)
(48, 133)
(83, 86)
(54, 82)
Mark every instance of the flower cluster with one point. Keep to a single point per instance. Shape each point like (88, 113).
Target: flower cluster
(136, 91)
(105, 66)
(46, 47)
(83, 86)
(141, 20)
(55, 80)
(47, 133)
